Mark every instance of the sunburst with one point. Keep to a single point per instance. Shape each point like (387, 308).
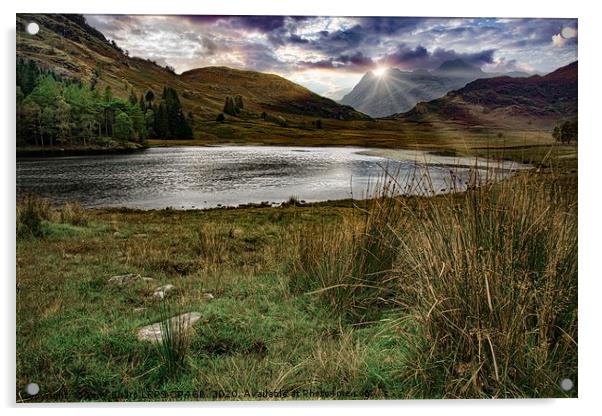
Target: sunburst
(380, 71)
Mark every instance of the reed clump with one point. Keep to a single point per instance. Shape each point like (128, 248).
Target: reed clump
(487, 280)
(32, 210)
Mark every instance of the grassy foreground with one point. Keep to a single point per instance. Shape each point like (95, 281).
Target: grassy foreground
(467, 295)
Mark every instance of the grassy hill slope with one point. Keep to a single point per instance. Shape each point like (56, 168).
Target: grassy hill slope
(505, 102)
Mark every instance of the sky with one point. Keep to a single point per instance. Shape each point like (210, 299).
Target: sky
(329, 55)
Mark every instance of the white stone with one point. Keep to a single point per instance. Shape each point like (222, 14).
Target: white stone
(124, 279)
(179, 324)
(162, 291)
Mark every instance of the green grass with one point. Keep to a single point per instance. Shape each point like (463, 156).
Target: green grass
(331, 297)
(76, 335)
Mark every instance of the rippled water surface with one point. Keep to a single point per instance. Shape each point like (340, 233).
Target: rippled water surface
(201, 177)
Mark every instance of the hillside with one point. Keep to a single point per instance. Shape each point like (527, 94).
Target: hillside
(69, 47)
(263, 92)
(537, 101)
(397, 91)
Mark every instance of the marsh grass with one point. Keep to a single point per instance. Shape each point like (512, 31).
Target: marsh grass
(36, 216)
(73, 213)
(493, 277)
(32, 210)
(175, 339)
(488, 278)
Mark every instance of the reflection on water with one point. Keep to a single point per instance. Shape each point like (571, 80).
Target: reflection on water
(201, 177)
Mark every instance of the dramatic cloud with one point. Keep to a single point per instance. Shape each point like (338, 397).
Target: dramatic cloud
(329, 54)
(420, 58)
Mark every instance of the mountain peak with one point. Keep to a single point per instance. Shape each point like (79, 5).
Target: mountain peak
(457, 65)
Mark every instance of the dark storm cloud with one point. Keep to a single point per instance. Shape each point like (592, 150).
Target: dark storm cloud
(404, 58)
(419, 57)
(390, 25)
(355, 62)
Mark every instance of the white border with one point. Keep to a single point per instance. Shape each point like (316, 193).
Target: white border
(590, 103)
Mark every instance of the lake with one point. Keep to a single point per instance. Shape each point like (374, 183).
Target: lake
(204, 177)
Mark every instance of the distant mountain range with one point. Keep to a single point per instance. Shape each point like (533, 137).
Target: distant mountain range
(397, 91)
(537, 101)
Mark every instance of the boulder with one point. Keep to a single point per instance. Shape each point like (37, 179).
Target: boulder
(163, 291)
(124, 279)
(177, 324)
(128, 279)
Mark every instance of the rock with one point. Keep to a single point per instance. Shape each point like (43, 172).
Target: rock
(208, 296)
(128, 279)
(140, 235)
(140, 310)
(163, 291)
(124, 279)
(177, 324)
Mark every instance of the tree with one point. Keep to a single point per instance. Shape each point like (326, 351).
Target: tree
(46, 92)
(220, 118)
(566, 132)
(63, 120)
(138, 122)
(142, 104)
(161, 122)
(238, 102)
(149, 119)
(123, 128)
(230, 106)
(177, 125)
(150, 96)
(48, 124)
(108, 94)
(27, 76)
(31, 118)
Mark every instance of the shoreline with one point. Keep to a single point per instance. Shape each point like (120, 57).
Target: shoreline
(38, 152)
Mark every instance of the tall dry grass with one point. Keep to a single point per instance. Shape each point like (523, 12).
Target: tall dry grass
(345, 264)
(33, 211)
(487, 278)
(175, 339)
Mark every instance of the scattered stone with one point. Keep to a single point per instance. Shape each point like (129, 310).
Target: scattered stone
(163, 291)
(208, 296)
(180, 323)
(124, 279)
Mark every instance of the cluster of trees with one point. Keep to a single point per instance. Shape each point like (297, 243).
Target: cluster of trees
(566, 131)
(233, 105)
(167, 118)
(55, 111)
